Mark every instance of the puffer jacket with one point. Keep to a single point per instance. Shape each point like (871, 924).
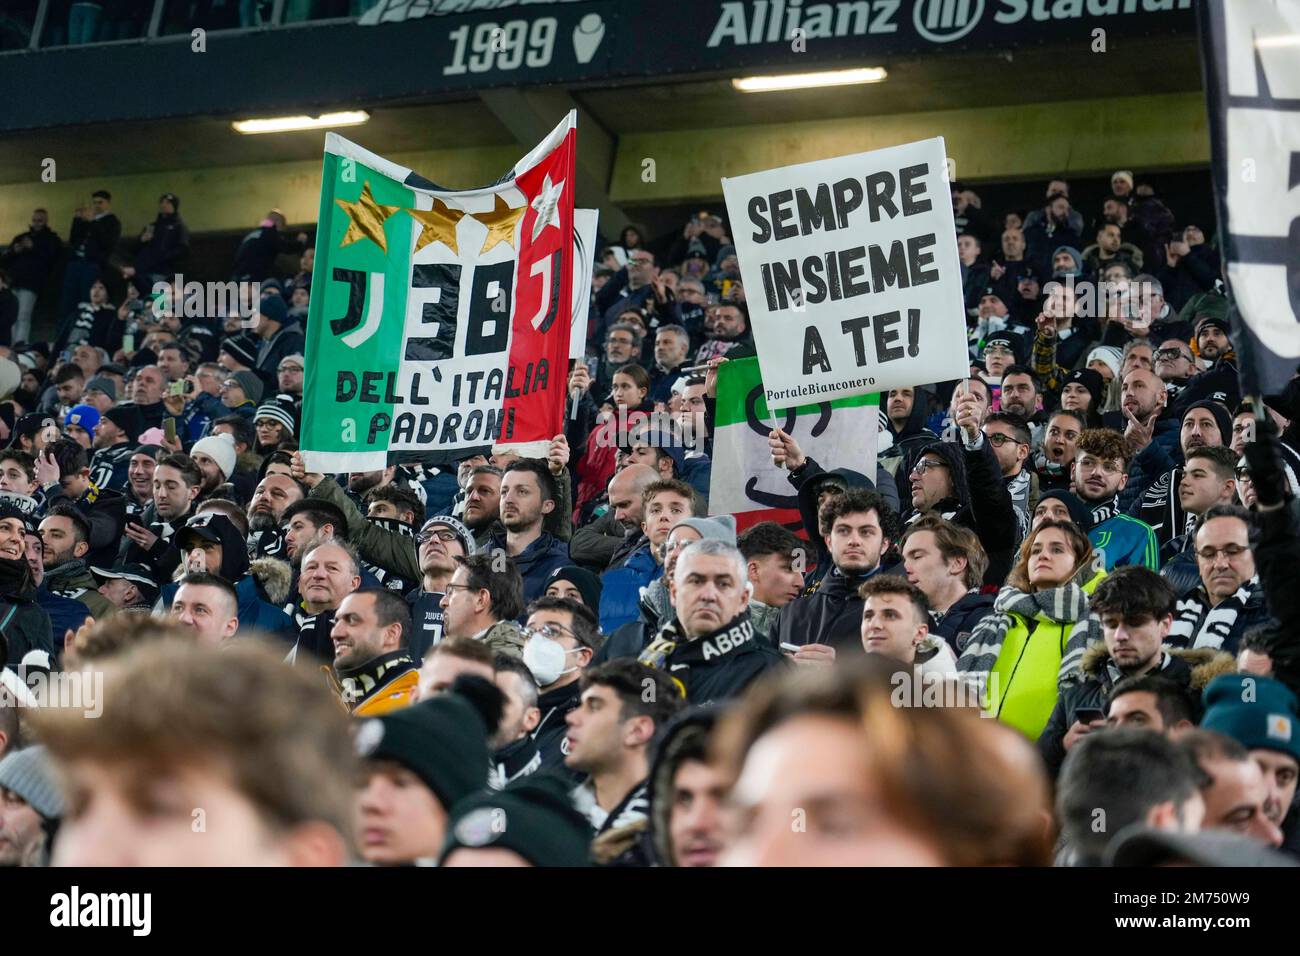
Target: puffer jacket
(1031, 647)
(620, 595)
(1190, 668)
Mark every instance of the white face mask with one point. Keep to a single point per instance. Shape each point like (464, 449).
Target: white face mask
(545, 657)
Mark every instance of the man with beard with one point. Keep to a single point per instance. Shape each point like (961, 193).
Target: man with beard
(483, 503)
(710, 647)
(528, 494)
(1219, 382)
(331, 571)
(176, 482)
(31, 805)
(63, 535)
(240, 431)
(1012, 442)
(1060, 440)
(1100, 473)
(1261, 715)
(514, 752)
(617, 532)
(1160, 505)
(1150, 429)
(64, 613)
(622, 348)
(856, 526)
(215, 456)
(115, 438)
(63, 473)
(963, 484)
(610, 734)
(139, 477)
(274, 494)
(28, 629)
(1021, 395)
(907, 410)
(725, 327)
(372, 671)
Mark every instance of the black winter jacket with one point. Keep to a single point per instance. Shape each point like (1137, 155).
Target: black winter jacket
(1192, 669)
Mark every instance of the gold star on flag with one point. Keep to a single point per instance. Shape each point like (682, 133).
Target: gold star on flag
(366, 219)
(501, 224)
(439, 225)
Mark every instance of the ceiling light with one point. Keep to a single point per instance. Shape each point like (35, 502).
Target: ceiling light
(807, 81)
(285, 124)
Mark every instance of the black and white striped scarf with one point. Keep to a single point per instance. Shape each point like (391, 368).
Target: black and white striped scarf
(1196, 624)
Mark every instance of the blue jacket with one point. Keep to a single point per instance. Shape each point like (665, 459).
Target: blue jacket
(620, 596)
(255, 614)
(200, 412)
(695, 472)
(65, 615)
(1126, 540)
(535, 562)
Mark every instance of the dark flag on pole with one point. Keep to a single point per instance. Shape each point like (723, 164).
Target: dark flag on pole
(1250, 50)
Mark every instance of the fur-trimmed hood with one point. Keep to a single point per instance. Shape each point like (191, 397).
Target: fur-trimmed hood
(275, 578)
(1205, 663)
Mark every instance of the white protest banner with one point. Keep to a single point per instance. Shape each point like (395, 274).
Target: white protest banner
(851, 273)
(584, 264)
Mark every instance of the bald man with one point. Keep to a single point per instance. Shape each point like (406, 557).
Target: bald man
(614, 533)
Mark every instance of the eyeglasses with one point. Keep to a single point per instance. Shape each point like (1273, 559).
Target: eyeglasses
(998, 350)
(1172, 354)
(458, 587)
(997, 439)
(1230, 551)
(289, 368)
(549, 630)
(925, 464)
(446, 536)
(1243, 474)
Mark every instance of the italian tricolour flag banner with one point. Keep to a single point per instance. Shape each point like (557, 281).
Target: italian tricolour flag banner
(439, 321)
(744, 482)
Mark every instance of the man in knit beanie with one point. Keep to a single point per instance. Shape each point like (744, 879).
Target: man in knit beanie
(531, 822)
(1261, 714)
(30, 807)
(215, 456)
(418, 763)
